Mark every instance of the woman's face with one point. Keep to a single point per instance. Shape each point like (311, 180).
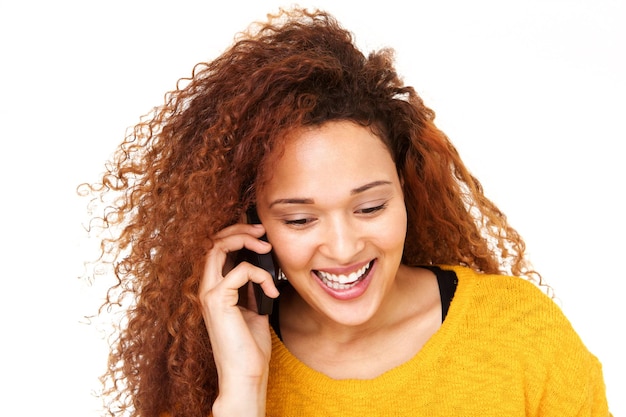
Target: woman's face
(334, 212)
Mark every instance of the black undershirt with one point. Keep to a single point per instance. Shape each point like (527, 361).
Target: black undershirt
(447, 281)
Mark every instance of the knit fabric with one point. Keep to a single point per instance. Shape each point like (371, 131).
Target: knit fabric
(505, 349)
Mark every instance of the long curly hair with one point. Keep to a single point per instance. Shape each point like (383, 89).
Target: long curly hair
(191, 167)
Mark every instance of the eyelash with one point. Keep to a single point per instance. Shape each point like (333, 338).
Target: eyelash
(297, 222)
(372, 210)
(365, 211)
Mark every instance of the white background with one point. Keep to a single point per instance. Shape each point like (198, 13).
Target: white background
(531, 92)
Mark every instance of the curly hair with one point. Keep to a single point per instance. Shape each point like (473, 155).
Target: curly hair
(191, 167)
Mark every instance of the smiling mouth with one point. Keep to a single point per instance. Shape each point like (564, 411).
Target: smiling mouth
(344, 282)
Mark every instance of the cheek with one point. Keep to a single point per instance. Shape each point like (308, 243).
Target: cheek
(394, 243)
(394, 229)
(291, 253)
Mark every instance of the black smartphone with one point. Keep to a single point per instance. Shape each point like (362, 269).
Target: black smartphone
(265, 261)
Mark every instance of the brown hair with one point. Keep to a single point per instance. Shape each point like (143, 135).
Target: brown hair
(191, 168)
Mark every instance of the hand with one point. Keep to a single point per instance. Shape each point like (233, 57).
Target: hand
(240, 337)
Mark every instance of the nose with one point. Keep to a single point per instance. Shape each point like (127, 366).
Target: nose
(342, 240)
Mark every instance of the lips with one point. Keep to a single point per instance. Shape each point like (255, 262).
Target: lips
(344, 282)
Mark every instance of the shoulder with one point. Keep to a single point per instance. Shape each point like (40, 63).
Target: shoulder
(515, 304)
(513, 291)
(509, 323)
(513, 311)
(502, 307)
(512, 322)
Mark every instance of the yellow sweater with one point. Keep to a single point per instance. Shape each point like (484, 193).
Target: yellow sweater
(504, 349)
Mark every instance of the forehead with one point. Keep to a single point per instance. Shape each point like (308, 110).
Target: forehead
(335, 151)
(333, 139)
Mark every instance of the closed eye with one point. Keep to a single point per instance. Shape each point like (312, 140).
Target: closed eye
(299, 222)
(296, 222)
(372, 210)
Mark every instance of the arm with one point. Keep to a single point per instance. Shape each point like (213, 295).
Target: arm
(574, 384)
(578, 390)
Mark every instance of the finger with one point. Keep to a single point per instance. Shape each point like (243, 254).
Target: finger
(248, 294)
(216, 260)
(246, 272)
(230, 242)
(253, 229)
(225, 294)
(257, 231)
(235, 237)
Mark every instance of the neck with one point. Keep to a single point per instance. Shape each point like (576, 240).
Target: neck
(409, 315)
(410, 295)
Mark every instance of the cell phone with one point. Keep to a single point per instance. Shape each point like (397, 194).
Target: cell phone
(264, 304)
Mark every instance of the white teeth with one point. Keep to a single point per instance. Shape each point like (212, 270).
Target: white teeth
(342, 281)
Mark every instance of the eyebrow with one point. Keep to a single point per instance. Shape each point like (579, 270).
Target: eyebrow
(355, 191)
(368, 186)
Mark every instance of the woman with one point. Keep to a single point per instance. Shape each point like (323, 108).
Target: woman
(404, 290)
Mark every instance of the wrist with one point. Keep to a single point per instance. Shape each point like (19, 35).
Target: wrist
(240, 406)
(241, 399)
